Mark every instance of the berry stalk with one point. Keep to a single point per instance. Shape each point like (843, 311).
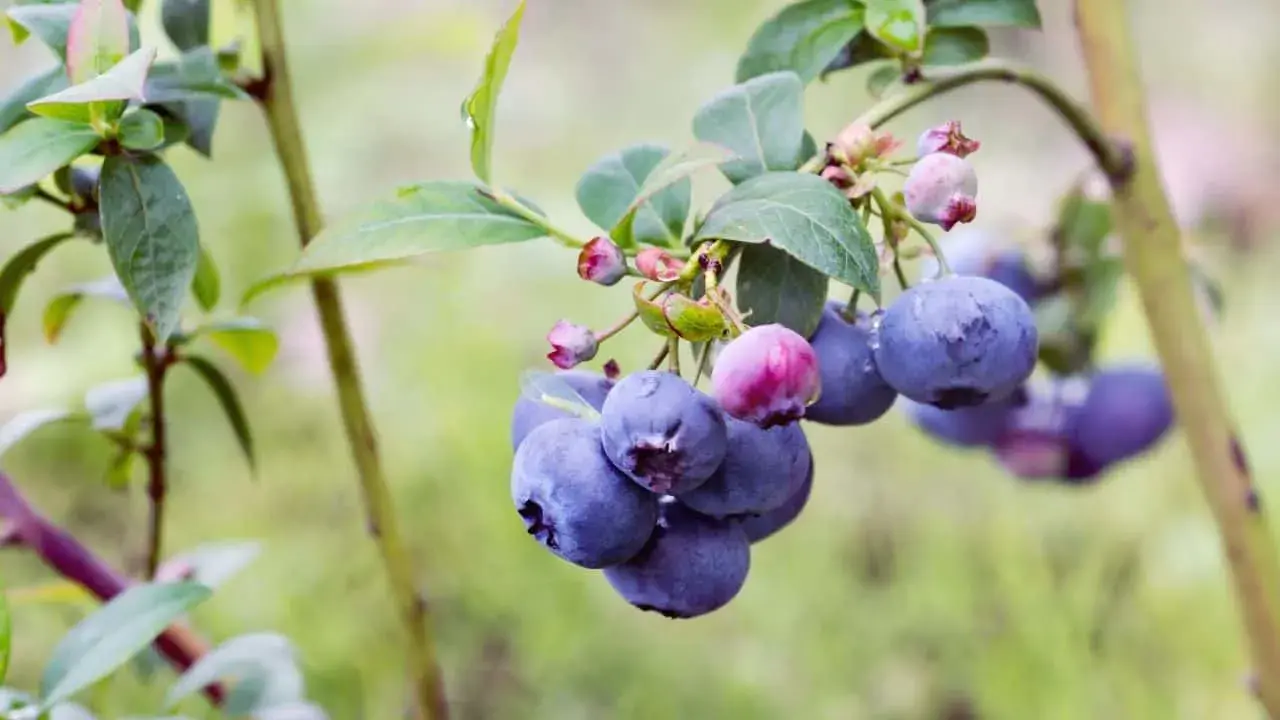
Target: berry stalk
(276, 99)
(1153, 256)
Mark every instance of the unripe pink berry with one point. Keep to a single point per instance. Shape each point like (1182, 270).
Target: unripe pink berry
(942, 189)
(571, 344)
(601, 261)
(658, 264)
(767, 376)
(946, 138)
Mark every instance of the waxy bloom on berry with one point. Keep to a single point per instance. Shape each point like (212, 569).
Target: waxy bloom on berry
(601, 261)
(767, 376)
(946, 138)
(571, 344)
(942, 189)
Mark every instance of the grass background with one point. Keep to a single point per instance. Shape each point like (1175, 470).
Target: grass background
(919, 583)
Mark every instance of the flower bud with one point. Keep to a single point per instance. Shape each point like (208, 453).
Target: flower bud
(946, 138)
(601, 261)
(658, 264)
(859, 142)
(767, 376)
(942, 189)
(571, 344)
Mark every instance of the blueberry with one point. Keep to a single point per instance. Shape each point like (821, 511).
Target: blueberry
(765, 525)
(691, 565)
(975, 426)
(853, 393)
(529, 413)
(1036, 443)
(761, 469)
(974, 251)
(1010, 268)
(1126, 412)
(768, 376)
(574, 501)
(661, 432)
(957, 342)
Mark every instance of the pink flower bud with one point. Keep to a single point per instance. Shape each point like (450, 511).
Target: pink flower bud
(838, 175)
(946, 138)
(571, 344)
(942, 189)
(767, 376)
(658, 264)
(859, 142)
(601, 261)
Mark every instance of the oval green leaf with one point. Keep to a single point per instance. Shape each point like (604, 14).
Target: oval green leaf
(898, 24)
(22, 264)
(60, 308)
(608, 188)
(480, 108)
(225, 392)
(207, 283)
(248, 340)
(104, 94)
(13, 109)
(213, 564)
(804, 216)
(186, 22)
(959, 13)
(672, 171)
(108, 638)
(23, 424)
(774, 287)
(266, 661)
(51, 22)
(141, 130)
(97, 38)
(955, 46)
(110, 404)
(761, 121)
(37, 147)
(804, 38)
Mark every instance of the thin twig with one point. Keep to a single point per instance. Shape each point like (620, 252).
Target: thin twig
(156, 364)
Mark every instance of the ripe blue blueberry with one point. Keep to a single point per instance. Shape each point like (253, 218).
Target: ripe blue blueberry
(761, 469)
(976, 251)
(765, 525)
(1036, 443)
(529, 414)
(1010, 268)
(1126, 412)
(853, 393)
(957, 342)
(574, 501)
(975, 426)
(661, 432)
(691, 565)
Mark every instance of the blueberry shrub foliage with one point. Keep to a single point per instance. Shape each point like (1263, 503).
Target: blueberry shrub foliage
(772, 299)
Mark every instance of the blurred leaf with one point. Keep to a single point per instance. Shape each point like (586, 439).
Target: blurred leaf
(106, 93)
(194, 76)
(293, 711)
(761, 121)
(692, 320)
(228, 399)
(206, 285)
(958, 13)
(882, 77)
(263, 664)
(5, 631)
(1101, 285)
(898, 24)
(186, 22)
(1082, 224)
(251, 342)
(550, 389)
(672, 171)
(607, 189)
(13, 109)
(141, 130)
(49, 23)
(212, 564)
(18, 198)
(53, 592)
(1065, 347)
(11, 700)
(70, 711)
(108, 638)
(23, 424)
(776, 288)
(151, 234)
(804, 38)
(120, 469)
(59, 309)
(199, 118)
(480, 108)
(110, 404)
(650, 312)
(955, 46)
(35, 148)
(804, 216)
(97, 39)
(808, 148)
(16, 270)
(861, 50)
(425, 218)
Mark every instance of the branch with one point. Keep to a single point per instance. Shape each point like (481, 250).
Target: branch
(276, 99)
(1153, 255)
(65, 555)
(157, 365)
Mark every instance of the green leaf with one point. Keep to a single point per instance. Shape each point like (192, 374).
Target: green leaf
(897, 24)
(108, 91)
(248, 340)
(882, 77)
(186, 22)
(228, 399)
(59, 309)
(673, 171)
(761, 121)
(861, 50)
(955, 46)
(265, 661)
(199, 119)
(214, 563)
(694, 320)
(207, 283)
(6, 630)
(13, 109)
(109, 404)
(39, 146)
(151, 234)
(108, 638)
(195, 75)
(23, 424)
(804, 216)
(959, 13)
(804, 38)
(97, 39)
(425, 218)
(776, 288)
(650, 312)
(141, 130)
(16, 270)
(49, 23)
(480, 108)
(608, 188)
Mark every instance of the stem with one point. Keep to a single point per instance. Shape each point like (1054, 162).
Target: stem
(673, 355)
(897, 270)
(156, 366)
(891, 212)
(25, 527)
(277, 102)
(1153, 256)
(553, 231)
(850, 311)
(662, 355)
(617, 327)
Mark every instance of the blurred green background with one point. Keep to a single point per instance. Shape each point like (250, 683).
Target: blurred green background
(920, 582)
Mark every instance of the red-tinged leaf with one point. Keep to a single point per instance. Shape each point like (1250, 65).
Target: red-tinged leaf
(97, 39)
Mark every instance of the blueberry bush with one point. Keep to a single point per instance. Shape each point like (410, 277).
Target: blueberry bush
(784, 301)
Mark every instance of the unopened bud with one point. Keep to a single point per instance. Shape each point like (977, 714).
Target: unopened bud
(946, 138)
(601, 261)
(858, 142)
(658, 264)
(571, 344)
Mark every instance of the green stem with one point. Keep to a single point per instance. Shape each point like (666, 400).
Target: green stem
(617, 327)
(286, 132)
(1153, 256)
(890, 212)
(673, 355)
(553, 231)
